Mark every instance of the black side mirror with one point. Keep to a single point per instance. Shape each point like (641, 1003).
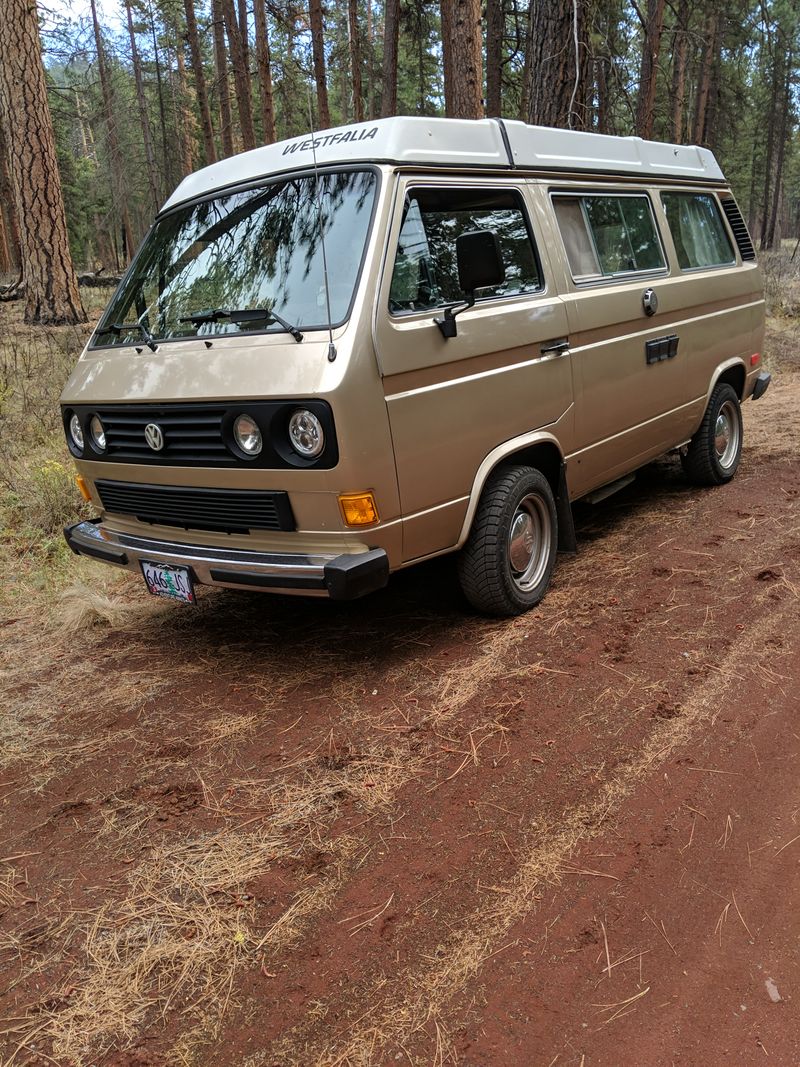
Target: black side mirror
(480, 263)
(480, 266)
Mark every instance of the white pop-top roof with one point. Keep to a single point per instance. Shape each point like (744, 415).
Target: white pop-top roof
(457, 143)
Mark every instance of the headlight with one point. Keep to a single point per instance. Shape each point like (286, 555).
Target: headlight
(247, 435)
(97, 433)
(76, 432)
(306, 434)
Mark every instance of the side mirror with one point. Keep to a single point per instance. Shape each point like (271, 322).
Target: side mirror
(480, 262)
(480, 266)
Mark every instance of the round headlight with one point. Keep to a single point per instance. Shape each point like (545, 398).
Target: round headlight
(76, 432)
(98, 433)
(247, 435)
(306, 434)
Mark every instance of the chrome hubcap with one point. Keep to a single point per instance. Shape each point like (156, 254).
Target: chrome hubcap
(726, 434)
(529, 542)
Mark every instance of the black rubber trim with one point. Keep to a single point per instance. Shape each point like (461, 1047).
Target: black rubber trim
(567, 541)
(266, 581)
(761, 386)
(110, 555)
(350, 576)
(506, 143)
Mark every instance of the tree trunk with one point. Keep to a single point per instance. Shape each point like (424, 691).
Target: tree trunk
(495, 30)
(679, 50)
(704, 80)
(355, 59)
(785, 106)
(144, 121)
(557, 69)
(8, 209)
(241, 75)
(118, 185)
(221, 64)
(51, 288)
(188, 123)
(264, 72)
(464, 56)
(201, 92)
(371, 109)
(169, 175)
(448, 61)
(391, 33)
(651, 48)
(318, 52)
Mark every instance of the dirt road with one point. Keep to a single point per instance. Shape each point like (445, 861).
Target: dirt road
(284, 832)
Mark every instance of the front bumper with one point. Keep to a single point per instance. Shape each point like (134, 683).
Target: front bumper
(341, 577)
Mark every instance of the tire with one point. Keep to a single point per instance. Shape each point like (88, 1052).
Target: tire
(715, 450)
(506, 565)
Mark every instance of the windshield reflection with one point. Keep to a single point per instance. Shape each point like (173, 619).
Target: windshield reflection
(255, 249)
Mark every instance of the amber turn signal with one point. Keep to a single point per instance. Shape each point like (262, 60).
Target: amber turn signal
(83, 487)
(359, 509)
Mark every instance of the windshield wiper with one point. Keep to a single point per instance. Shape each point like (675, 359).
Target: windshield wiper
(244, 315)
(124, 327)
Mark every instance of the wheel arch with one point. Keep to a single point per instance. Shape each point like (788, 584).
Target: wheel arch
(540, 450)
(733, 372)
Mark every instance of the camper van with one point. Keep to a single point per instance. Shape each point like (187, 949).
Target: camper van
(340, 355)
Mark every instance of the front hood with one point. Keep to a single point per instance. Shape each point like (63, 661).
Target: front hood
(232, 367)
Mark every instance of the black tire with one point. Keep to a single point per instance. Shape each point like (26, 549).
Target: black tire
(715, 450)
(493, 580)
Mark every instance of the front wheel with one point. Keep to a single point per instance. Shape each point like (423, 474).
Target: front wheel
(715, 450)
(506, 565)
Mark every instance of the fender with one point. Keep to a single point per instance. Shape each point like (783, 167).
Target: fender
(736, 361)
(506, 450)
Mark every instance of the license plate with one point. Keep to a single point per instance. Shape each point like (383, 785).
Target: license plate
(163, 579)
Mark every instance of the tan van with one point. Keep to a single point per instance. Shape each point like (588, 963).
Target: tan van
(340, 355)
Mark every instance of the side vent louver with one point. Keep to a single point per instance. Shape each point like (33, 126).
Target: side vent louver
(737, 224)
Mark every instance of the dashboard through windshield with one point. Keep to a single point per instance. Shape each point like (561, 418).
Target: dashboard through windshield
(204, 266)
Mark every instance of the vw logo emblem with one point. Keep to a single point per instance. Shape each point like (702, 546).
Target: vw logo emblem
(154, 436)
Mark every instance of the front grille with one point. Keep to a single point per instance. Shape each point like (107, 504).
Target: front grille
(737, 224)
(192, 433)
(224, 510)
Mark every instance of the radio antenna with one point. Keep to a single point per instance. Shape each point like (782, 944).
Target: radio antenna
(331, 345)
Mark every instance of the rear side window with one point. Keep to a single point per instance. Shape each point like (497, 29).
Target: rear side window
(698, 231)
(425, 272)
(608, 235)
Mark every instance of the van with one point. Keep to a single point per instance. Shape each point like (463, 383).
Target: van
(340, 355)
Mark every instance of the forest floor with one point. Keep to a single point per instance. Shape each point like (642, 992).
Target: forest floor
(270, 831)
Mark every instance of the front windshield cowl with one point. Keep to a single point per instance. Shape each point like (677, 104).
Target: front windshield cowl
(247, 262)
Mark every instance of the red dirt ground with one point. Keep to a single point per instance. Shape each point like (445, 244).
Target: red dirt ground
(568, 839)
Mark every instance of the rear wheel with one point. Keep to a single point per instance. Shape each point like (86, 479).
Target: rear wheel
(506, 565)
(715, 450)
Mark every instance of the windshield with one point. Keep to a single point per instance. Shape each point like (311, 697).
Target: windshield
(257, 249)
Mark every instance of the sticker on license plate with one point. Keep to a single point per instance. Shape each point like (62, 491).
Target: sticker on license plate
(163, 579)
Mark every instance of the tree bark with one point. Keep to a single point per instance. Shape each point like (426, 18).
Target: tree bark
(8, 209)
(557, 65)
(241, 75)
(186, 119)
(51, 287)
(704, 79)
(495, 29)
(201, 92)
(221, 64)
(264, 72)
(651, 48)
(464, 56)
(391, 36)
(355, 59)
(785, 105)
(118, 185)
(144, 121)
(318, 53)
(679, 50)
(371, 109)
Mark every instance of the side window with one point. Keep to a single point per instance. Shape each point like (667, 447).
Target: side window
(425, 273)
(698, 230)
(608, 235)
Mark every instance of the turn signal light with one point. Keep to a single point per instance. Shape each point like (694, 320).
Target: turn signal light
(359, 509)
(83, 487)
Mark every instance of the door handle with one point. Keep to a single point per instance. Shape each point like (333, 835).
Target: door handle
(555, 348)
